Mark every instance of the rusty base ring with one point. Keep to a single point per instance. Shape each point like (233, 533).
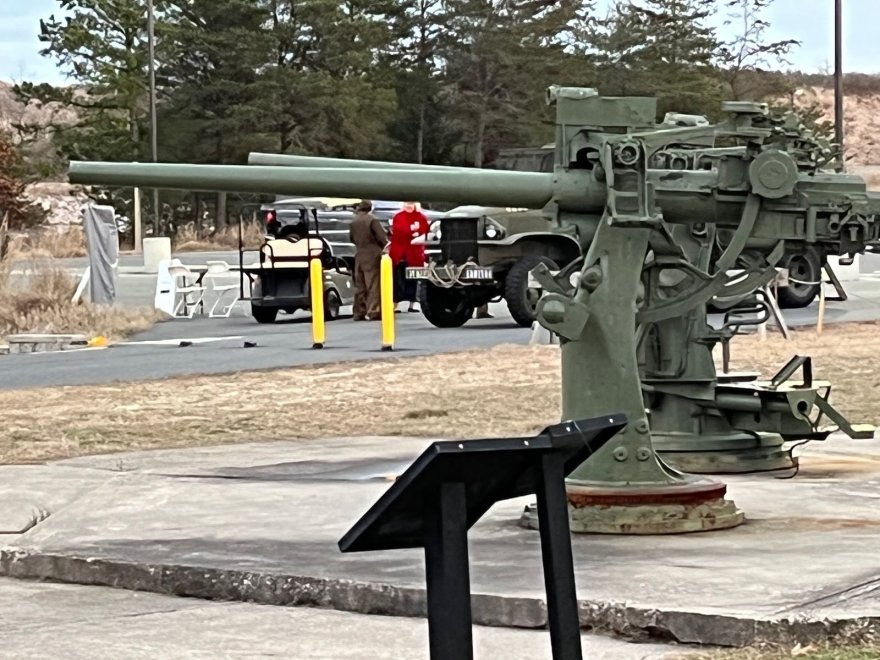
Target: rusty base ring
(677, 509)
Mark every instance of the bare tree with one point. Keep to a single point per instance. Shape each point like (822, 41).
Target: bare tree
(749, 53)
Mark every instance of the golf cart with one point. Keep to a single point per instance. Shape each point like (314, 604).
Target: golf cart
(280, 277)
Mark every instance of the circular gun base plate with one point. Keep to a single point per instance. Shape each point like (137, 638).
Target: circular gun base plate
(731, 453)
(730, 462)
(691, 507)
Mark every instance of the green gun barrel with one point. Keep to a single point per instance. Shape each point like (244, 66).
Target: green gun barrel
(485, 188)
(286, 160)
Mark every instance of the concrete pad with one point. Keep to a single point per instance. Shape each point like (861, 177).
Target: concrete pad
(75, 622)
(224, 461)
(18, 516)
(261, 522)
(31, 493)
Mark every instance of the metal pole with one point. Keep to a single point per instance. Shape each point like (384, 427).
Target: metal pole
(838, 79)
(153, 134)
(138, 226)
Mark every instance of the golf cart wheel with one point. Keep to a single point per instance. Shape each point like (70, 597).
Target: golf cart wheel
(264, 314)
(522, 301)
(444, 308)
(805, 267)
(332, 304)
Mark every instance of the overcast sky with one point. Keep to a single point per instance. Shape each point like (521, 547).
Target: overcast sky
(809, 21)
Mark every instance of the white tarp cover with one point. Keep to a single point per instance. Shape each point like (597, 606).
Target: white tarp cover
(102, 243)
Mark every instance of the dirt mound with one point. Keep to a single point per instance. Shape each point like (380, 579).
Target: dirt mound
(861, 122)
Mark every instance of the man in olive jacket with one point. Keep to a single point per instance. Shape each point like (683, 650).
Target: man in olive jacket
(370, 240)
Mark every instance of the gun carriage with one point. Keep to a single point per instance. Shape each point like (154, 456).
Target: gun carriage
(669, 219)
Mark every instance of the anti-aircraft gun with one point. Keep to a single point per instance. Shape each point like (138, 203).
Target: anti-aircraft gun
(650, 206)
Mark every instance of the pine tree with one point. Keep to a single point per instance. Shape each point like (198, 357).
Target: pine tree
(100, 45)
(421, 127)
(501, 55)
(209, 54)
(662, 48)
(321, 89)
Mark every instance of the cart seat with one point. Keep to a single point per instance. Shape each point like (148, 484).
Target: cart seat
(283, 253)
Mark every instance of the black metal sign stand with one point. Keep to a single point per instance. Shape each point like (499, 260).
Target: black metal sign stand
(449, 487)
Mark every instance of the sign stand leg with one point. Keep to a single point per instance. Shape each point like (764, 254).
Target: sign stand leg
(448, 576)
(562, 607)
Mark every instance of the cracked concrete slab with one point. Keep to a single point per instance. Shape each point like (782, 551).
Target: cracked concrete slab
(31, 493)
(261, 522)
(18, 516)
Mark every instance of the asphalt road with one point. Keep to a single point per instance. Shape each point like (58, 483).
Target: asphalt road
(217, 345)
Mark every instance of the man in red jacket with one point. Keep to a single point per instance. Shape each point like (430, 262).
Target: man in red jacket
(406, 225)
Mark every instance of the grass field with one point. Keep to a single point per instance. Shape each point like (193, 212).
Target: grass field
(507, 390)
(41, 301)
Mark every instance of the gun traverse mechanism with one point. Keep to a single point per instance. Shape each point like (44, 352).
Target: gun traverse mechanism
(663, 214)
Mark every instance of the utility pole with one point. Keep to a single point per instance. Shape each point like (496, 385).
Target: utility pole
(838, 79)
(153, 138)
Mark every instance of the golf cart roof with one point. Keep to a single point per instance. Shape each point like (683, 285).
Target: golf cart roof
(329, 202)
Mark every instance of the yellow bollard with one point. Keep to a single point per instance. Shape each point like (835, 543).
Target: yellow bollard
(316, 291)
(386, 283)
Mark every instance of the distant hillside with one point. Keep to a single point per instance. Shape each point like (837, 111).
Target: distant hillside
(861, 122)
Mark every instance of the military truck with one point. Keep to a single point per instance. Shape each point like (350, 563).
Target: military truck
(534, 159)
(481, 254)
(478, 255)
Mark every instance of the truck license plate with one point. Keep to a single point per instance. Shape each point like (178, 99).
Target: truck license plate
(478, 274)
(468, 274)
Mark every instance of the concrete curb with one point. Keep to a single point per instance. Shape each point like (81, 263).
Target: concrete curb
(618, 619)
(44, 343)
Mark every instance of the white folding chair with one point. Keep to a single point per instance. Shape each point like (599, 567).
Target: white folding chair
(216, 270)
(187, 288)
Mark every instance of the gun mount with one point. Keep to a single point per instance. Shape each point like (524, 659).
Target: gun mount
(664, 215)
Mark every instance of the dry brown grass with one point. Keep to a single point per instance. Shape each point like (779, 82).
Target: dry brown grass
(49, 242)
(40, 302)
(507, 390)
(873, 181)
(847, 355)
(190, 240)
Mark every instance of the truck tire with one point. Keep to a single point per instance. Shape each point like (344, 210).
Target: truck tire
(264, 314)
(522, 302)
(444, 308)
(332, 303)
(806, 267)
